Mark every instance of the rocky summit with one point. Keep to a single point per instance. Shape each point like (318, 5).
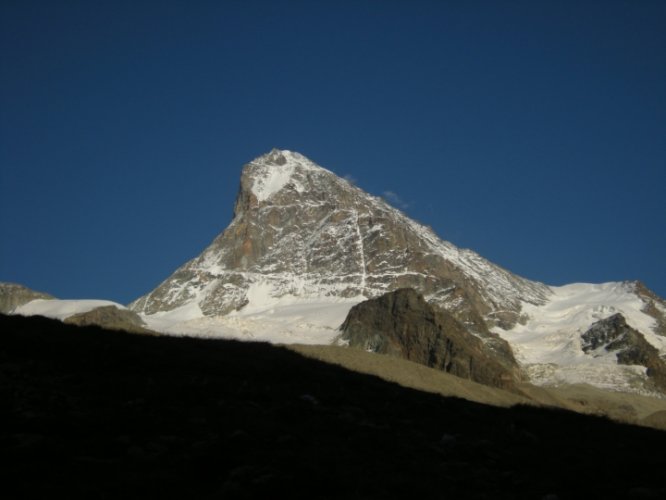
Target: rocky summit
(300, 230)
(305, 245)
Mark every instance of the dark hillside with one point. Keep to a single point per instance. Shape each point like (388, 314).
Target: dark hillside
(89, 413)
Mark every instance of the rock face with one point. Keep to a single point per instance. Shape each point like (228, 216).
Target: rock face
(654, 306)
(298, 229)
(614, 335)
(13, 296)
(301, 232)
(404, 325)
(110, 317)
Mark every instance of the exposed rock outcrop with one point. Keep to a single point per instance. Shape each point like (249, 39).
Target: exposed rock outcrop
(112, 318)
(614, 335)
(13, 296)
(655, 306)
(404, 325)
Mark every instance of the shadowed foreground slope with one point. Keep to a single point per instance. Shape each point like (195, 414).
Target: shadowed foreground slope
(97, 414)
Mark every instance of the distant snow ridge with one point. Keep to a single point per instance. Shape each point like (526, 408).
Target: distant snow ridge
(61, 309)
(300, 231)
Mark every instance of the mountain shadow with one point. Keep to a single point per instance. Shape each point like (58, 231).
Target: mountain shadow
(90, 413)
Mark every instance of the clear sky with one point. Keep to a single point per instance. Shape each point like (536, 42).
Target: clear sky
(533, 132)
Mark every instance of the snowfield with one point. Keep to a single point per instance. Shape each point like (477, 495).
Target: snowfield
(284, 320)
(61, 309)
(292, 321)
(548, 344)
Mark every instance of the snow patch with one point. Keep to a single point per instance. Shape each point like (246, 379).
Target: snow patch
(164, 321)
(269, 179)
(261, 295)
(61, 309)
(273, 171)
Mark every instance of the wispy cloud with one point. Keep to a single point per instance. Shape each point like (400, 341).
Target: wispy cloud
(350, 179)
(395, 200)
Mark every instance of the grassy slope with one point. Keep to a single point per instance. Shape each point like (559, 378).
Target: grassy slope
(90, 413)
(631, 408)
(410, 374)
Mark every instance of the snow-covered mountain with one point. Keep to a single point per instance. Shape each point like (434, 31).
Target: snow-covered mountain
(301, 233)
(305, 245)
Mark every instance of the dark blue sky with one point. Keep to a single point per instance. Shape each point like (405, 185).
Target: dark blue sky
(532, 132)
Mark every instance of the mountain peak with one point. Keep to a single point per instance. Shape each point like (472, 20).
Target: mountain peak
(303, 239)
(274, 157)
(270, 173)
(301, 231)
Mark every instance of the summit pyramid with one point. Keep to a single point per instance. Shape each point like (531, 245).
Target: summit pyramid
(305, 245)
(302, 231)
